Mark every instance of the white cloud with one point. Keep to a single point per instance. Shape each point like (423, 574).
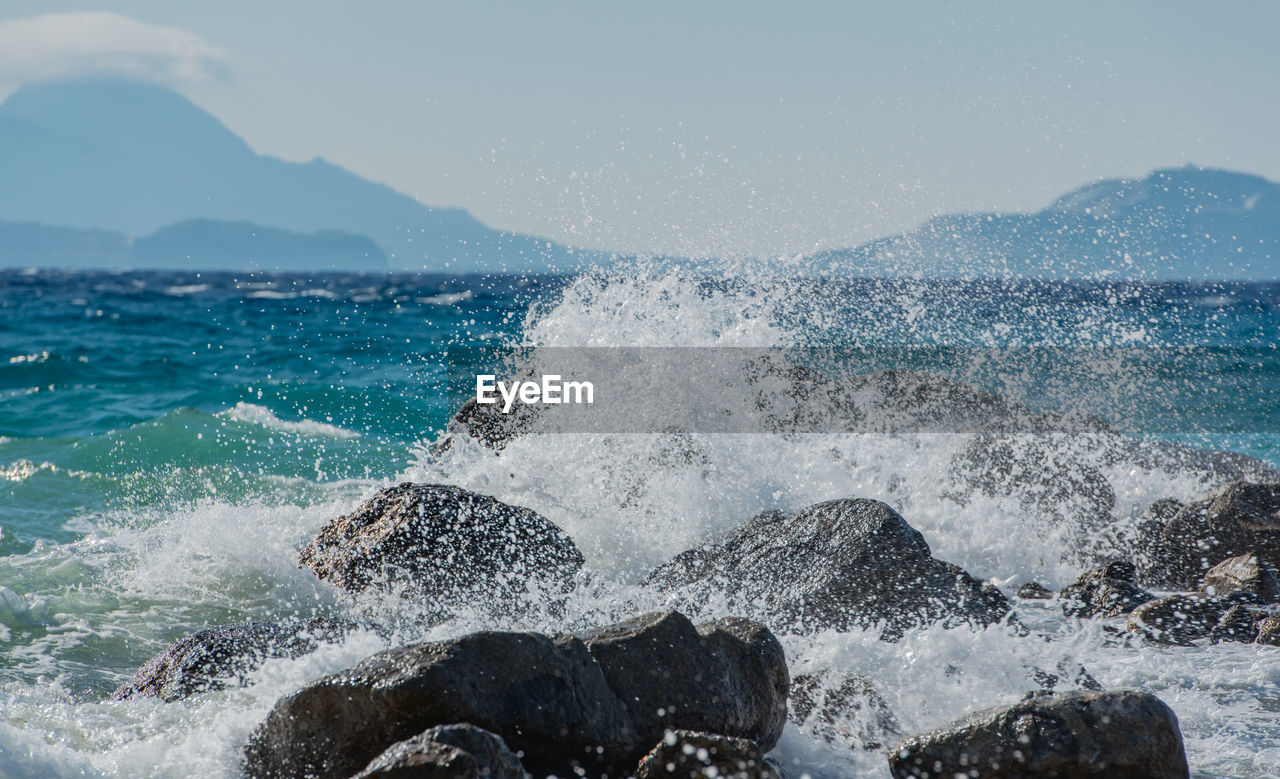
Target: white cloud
(68, 45)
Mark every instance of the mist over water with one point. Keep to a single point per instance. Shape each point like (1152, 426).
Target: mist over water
(168, 443)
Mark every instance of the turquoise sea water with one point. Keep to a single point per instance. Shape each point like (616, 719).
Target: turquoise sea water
(169, 440)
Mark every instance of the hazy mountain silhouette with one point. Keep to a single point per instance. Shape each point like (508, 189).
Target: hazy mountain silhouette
(1174, 224)
(133, 158)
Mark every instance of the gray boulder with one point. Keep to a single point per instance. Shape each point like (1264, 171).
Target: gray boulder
(686, 754)
(843, 564)
(215, 658)
(1243, 579)
(1178, 619)
(446, 752)
(1108, 591)
(567, 704)
(444, 543)
(1239, 519)
(844, 709)
(1120, 735)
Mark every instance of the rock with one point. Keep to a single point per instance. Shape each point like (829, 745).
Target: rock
(686, 754)
(1243, 579)
(1104, 592)
(1077, 734)
(1238, 623)
(1034, 591)
(444, 543)
(842, 564)
(446, 752)
(1177, 619)
(1239, 519)
(210, 659)
(548, 697)
(728, 677)
(843, 708)
(1267, 631)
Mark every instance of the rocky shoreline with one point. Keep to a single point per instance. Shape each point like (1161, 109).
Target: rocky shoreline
(671, 693)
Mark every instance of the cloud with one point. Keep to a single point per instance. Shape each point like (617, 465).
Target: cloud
(67, 45)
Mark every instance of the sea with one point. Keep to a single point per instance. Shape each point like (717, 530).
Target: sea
(170, 440)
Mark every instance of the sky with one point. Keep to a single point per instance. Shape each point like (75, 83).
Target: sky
(707, 128)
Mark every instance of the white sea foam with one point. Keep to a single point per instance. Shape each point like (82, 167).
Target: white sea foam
(261, 415)
(447, 298)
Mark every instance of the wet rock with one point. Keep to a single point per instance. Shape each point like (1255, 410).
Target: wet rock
(1238, 623)
(728, 676)
(1267, 631)
(1034, 591)
(1077, 734)
(443, 543)
(551, 698)
(843, 564)
(1104, 592)
(446, 752)
(215, 658)
(844, 709)
(1178, 619)
(686, 754)
(1243, 579)
(1239, 519)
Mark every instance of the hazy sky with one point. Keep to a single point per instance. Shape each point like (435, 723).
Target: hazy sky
(700, 127)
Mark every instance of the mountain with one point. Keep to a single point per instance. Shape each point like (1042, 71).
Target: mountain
(196, 243)
(1174, 224)
(133, 158)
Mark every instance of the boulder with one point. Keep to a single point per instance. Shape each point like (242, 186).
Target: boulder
(567, 704)
(211, 659)
(1267, 630)
(442, 543)
(1243, 579)
(446, 752)
(1239, 519)
(844, 709)
(1178, 619)
(728, 676)
(842, 564)
(686, 754)
(1034, 591)
(1108, 591)
(1122, 734)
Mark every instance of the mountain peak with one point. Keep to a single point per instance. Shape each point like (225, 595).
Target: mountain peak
(131, 116)
(1184, 188)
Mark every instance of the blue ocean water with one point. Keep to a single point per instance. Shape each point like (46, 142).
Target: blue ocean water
(168, 440)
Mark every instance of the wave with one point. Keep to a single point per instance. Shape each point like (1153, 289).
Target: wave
(261, 415)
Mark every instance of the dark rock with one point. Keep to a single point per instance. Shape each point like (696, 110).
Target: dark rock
(444, 543)
(1267, 631)
(549, 698)
(1238, 623)
(446, 752)
(1239, 519)
(1243, 579)
(728, 677)
(1123, 735)
(213, 658)
(686, 754)
(1104, 592)
(842, 564)
(1177, 619)
(843, 708)
(1034, 591)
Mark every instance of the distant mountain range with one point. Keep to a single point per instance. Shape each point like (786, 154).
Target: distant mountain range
(125, 174)
(1174, 224)
(142, 160)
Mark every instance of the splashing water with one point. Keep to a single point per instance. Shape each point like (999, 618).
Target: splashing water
(164, 461)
